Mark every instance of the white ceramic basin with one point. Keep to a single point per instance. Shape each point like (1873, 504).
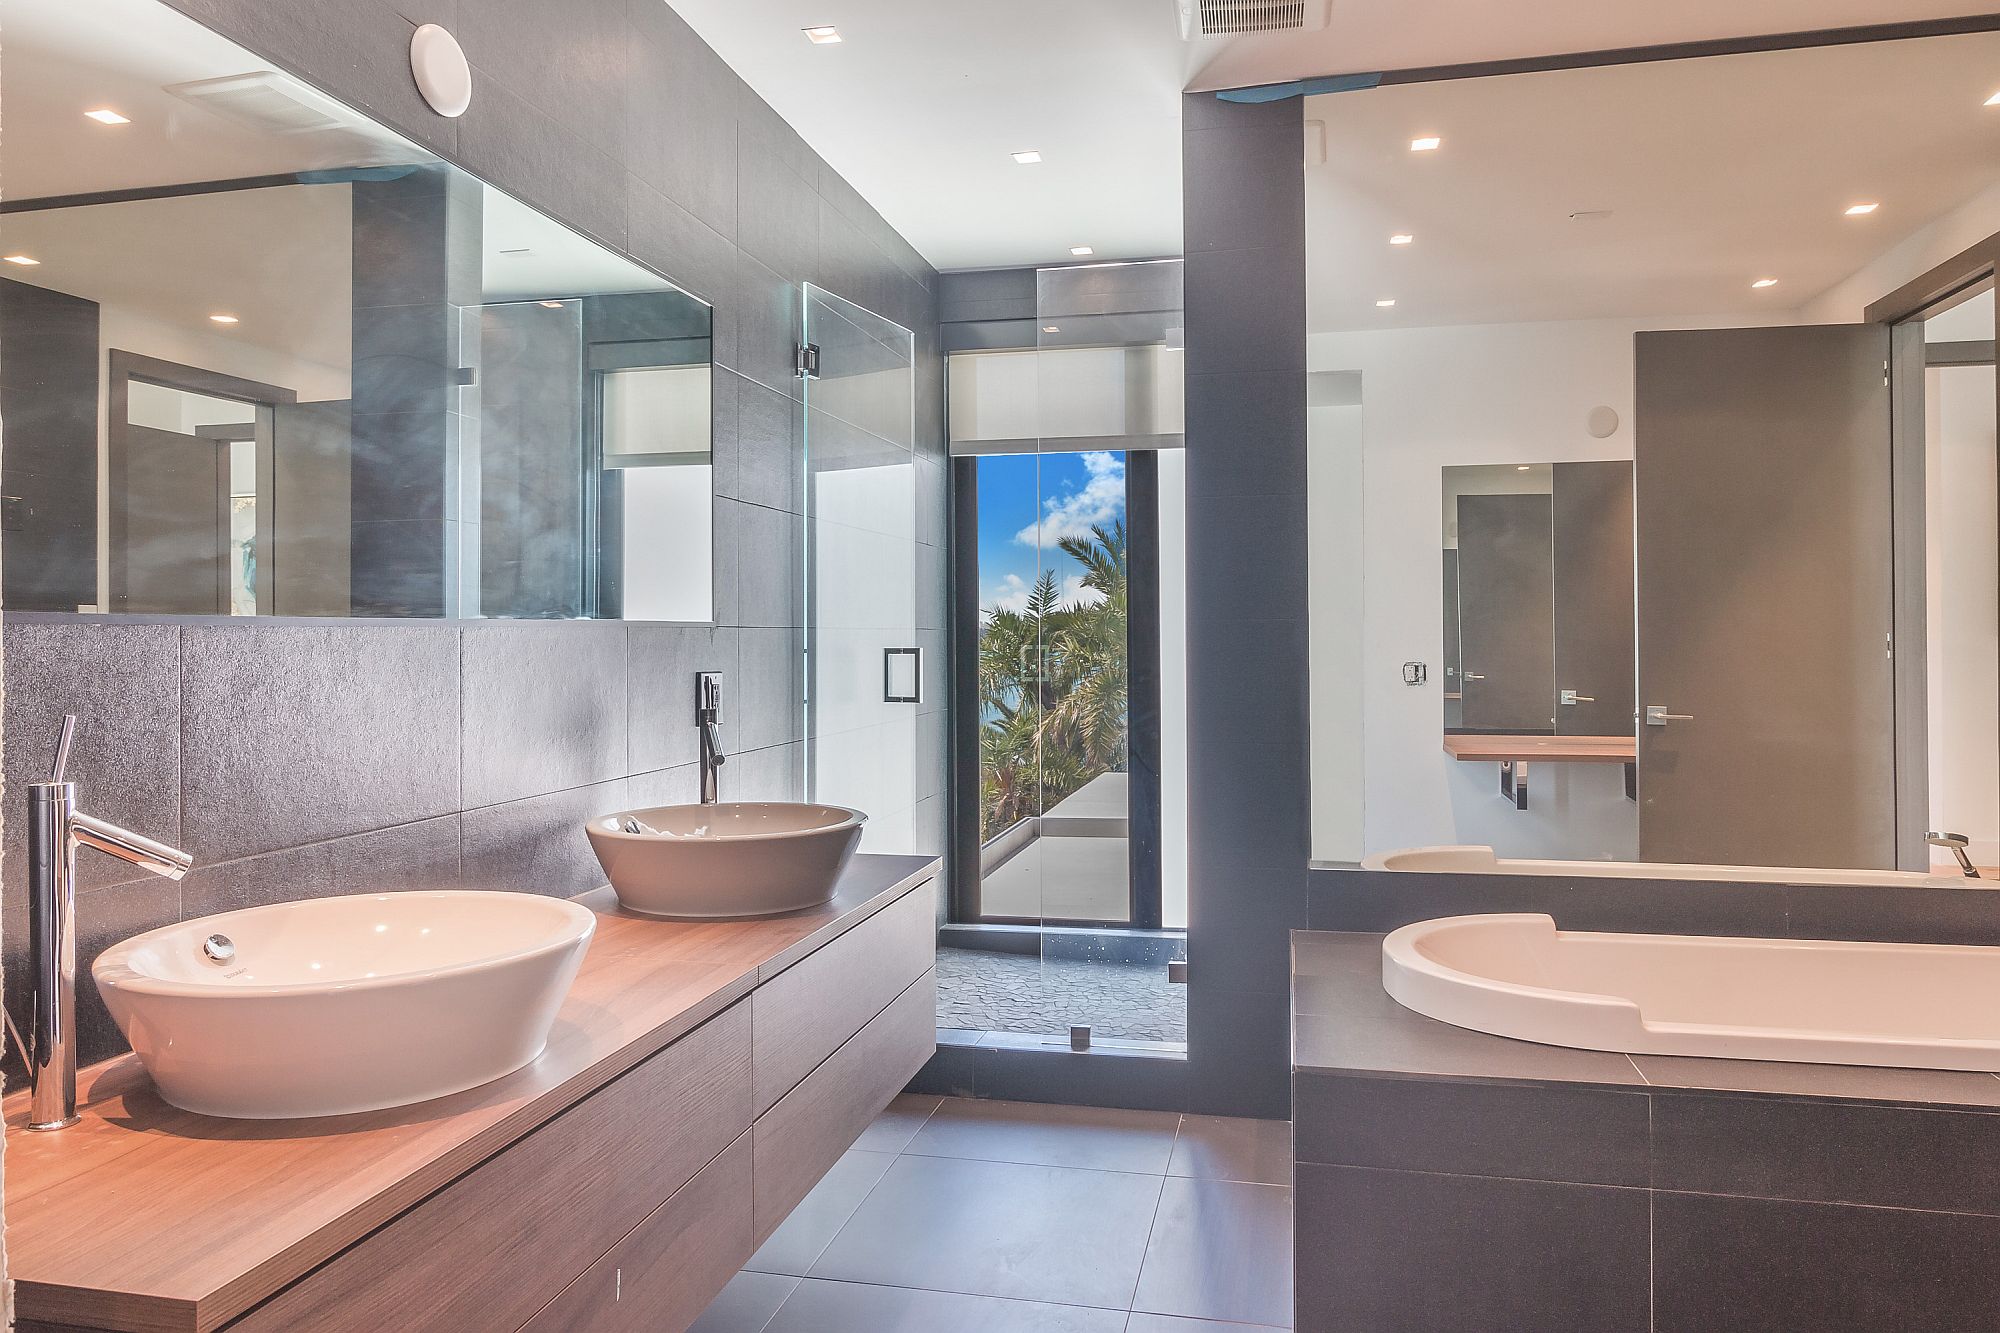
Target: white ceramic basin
(1910, 1006)
(334, 1005)
(735, 858)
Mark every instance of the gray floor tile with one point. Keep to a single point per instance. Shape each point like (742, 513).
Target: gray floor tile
(1000, 1229)
(848, 1307)
(1214, 1147)
(1220, 1250)
(1081, 1136)
(746, 1304)
(1170, 1323)
(892, 1131)
(821, 1214)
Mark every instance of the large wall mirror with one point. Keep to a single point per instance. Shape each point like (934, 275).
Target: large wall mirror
(1652, 443)
(260, 356)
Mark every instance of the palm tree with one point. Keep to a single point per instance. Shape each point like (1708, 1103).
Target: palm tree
(1052, 686)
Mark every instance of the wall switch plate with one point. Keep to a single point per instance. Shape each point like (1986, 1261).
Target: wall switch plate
(1416, 673)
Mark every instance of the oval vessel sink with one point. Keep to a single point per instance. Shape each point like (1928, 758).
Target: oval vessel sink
(734, 858)
(334, 1005)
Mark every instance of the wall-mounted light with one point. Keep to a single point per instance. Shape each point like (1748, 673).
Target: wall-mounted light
(1402, 238)
(224, 319)
(1029, 158)
(824, 34)
(1861, 210)
(25, 261)
(1427, 144)
(1081, 250)
(104, 115)
(1762, 283)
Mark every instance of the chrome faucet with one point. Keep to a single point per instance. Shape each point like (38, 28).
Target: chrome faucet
(56, 828)
(1955, 843)
(708, 717)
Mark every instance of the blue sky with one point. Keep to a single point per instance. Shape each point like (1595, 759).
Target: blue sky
(1027, 503)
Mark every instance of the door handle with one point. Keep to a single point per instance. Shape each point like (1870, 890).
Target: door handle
(1571, 697)
(910, 690)
(1658, 716)
(1473, 675)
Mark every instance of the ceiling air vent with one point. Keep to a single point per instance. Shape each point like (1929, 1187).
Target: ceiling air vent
(264, 101)
(1228, 18)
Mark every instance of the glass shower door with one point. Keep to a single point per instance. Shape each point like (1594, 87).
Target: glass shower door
(865, 677)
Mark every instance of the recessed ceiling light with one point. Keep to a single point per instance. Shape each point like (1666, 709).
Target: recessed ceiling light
(1386, 304)
(552, 305)
(1765, 282)
(824, 35)
(1401, 238)
(1522, 467)
(223, 319)
(106, 116)
(1081, 250)
(1426, 144)
(1028, 158)
(1861, 210)
(1993, 100)
(25, 261)
(1051, 328)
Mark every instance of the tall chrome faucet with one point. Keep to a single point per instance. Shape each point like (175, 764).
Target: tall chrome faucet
(708, 717)
(1955, 843)
(56, 828)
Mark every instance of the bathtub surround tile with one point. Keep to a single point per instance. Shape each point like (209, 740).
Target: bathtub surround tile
(807, 1230)
(543, 708)
(292, 734)
(1075, 1136)
(537, 845)
(1935, 1087)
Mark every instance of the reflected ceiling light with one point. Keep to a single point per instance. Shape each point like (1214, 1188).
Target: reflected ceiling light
(223, 319)
(1861, 210)
(1081, 250)
(1051, 328)
(1765, 282)
(1401, 238)
(1426, 144)
(106, 116)
(552, 305)
(1993, 100)
(1028, 158)
(1384, 305)
(823, 35)
(1522, 467)
(26, 261)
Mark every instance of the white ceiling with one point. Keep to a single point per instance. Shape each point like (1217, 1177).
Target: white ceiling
(1716, 172)
(922, 102)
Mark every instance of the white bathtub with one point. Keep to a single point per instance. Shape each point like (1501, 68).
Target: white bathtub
(1483, 861)
(1910, 1006)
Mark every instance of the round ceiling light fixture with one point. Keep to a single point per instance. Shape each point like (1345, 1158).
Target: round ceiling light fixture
(443, 74)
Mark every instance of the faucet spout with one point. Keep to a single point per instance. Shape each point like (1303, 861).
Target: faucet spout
(708, 720)
(129, 847)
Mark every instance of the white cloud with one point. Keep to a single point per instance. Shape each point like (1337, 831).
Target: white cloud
(1099, 502)
(1012, 592)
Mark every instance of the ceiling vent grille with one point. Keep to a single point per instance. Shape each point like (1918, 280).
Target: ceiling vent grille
(263, 101)
(1231, 18)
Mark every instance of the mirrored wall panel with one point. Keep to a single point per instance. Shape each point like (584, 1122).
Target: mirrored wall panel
(1711, 414)
(260, 356)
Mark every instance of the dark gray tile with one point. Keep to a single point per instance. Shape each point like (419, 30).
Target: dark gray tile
(948, 1073)
(1938, 1087)
(774, 774)
(1245, 311)
(1264, 206)
(1247, 558)
(1246, 433)
(1212, 1147)
(1252, 813)
(1819, 1268)
(405, 357)
(670, 240)
(767, 325)
(892, 1130)
(662, 662)
(1245, 919)
(1399, 1252)
(529, 153)
(1241, 1038)
(760, 128)
(769, 449)
(769, 689)
(575, 70)
(777, 210)
(544, 708)
(537, 845)
(123, 682)
(682, 100)
(1529, 1131)
(403, 464)
(999, 1229)
(299, 733)
(103, 918)
(1220, 1249)
(1092, 1137)
(1827, 1152)
(819, 1216)
(392, 860)
(1912, 915)
(770, 568)
(747, 1304)
(666, 786)
(847, 1307)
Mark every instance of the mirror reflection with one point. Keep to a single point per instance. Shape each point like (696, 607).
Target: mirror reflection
(265, 357)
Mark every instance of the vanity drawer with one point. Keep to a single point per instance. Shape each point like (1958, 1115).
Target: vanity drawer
(799, 1139)
(663, 1275)
(492, 1248)
(801, 1015)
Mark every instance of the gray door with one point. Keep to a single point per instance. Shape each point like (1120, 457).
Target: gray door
(1763, 509)
(1505, 619)
(1593, 598)
(169, 525)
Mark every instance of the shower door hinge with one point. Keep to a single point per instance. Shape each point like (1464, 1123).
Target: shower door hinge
(808, 361)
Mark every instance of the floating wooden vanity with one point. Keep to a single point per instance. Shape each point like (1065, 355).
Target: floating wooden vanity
(700, 1079)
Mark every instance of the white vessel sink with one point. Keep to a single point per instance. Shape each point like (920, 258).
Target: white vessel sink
(731, 859)
(335, 1005)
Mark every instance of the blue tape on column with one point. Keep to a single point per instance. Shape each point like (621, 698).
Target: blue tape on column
(1278, 92)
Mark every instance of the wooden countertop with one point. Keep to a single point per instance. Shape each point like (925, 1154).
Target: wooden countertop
(1547, 749)
(147, 1217)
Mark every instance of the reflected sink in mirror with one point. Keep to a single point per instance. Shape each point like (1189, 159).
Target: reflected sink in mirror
(336, 1005)
(730, 859)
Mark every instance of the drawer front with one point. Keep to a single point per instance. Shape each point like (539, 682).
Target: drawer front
(799, 1139)
(661, 1277)
(805, 1012)
(499, 1243)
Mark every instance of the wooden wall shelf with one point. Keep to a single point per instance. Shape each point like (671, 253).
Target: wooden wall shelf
(1513, 754)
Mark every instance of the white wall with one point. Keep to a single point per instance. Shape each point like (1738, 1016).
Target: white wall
(1434, 398)
(1959, 230)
